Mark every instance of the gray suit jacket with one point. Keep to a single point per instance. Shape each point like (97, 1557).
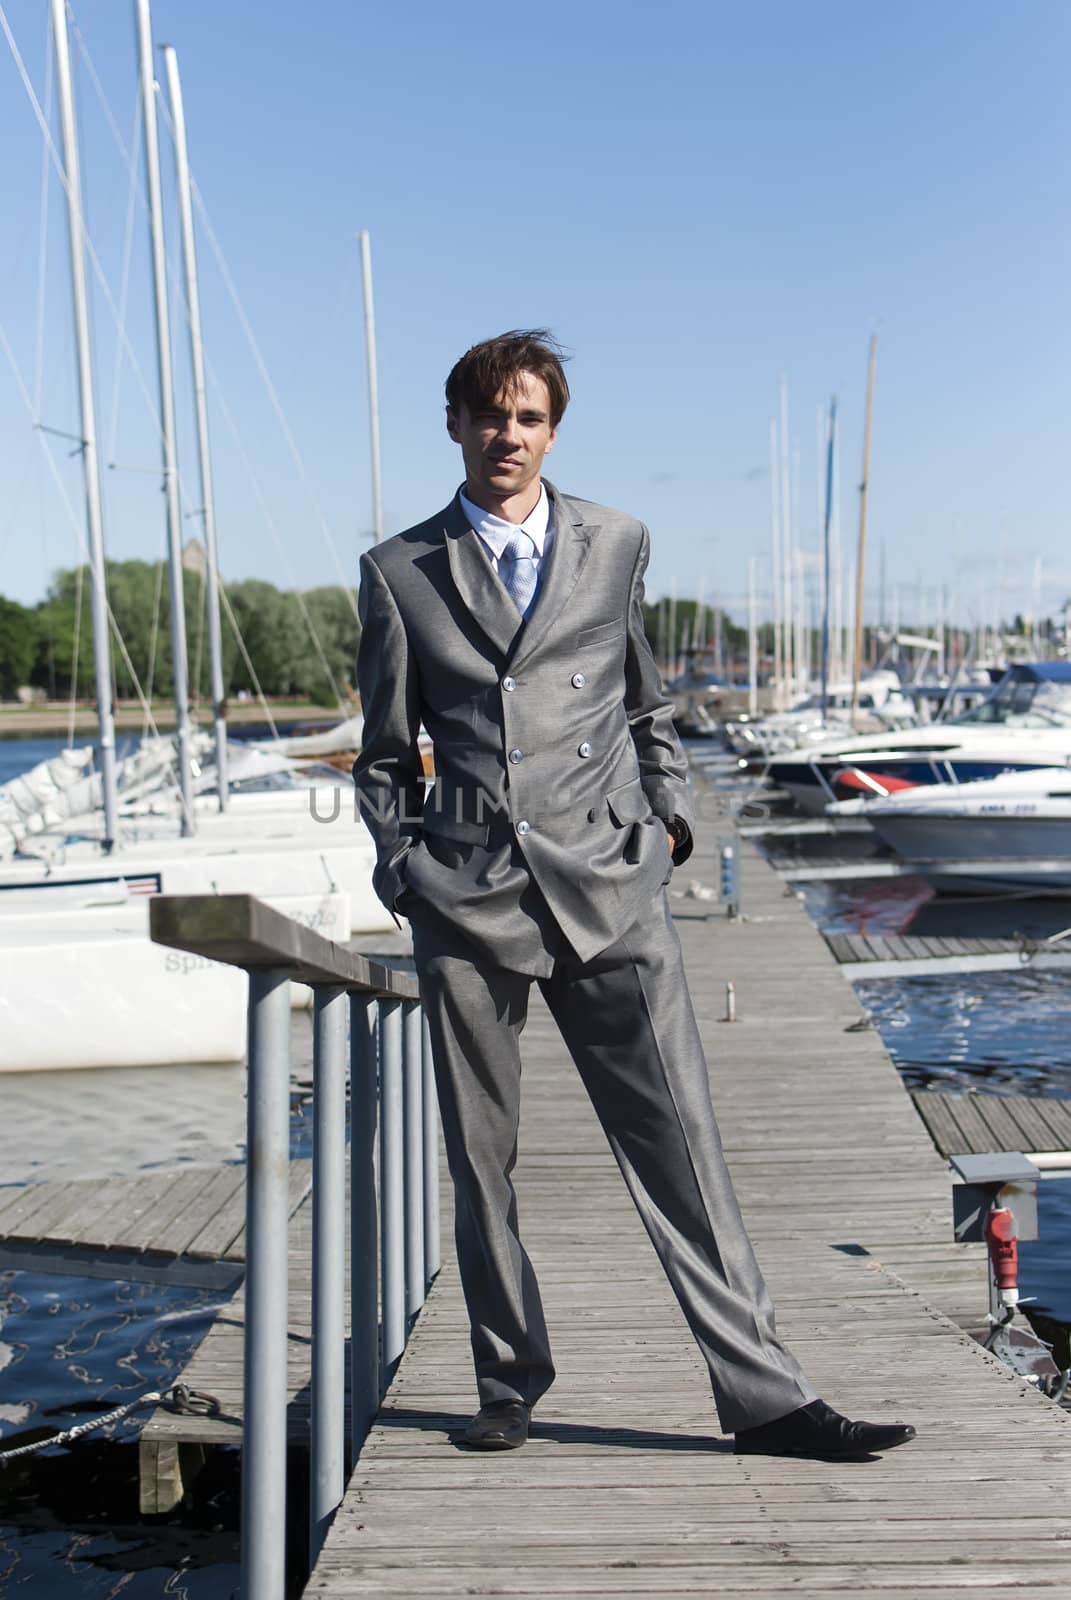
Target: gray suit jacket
(555, 753)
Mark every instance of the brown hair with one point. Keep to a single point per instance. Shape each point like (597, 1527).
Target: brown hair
(488, 368)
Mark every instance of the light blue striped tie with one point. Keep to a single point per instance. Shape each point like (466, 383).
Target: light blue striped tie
(519, 570)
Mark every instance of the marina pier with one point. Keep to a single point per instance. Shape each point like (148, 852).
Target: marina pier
(626, 1486)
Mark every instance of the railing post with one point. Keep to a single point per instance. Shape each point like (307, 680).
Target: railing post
(390, 1071)
(328, 1404)
(432, 1255)
(263, 1513)
(413, 1058)
(391, 1186)
(364, 1242)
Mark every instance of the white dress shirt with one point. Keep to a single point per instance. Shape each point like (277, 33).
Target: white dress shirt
(495, 533)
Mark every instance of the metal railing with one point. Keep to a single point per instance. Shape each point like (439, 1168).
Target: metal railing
(392, 1259)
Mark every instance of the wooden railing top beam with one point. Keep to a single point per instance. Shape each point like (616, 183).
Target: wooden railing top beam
(242, 931)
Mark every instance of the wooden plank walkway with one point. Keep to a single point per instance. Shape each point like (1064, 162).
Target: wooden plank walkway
(183, 1228)
(961, 1124)
(909, 955)
(626, 1487)
(172, 1445)
(829, 869)
(784, 829)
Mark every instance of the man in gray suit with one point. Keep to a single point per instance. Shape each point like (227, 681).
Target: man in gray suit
(511, 626)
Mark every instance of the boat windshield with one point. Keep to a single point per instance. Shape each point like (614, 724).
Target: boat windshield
(1025, 703)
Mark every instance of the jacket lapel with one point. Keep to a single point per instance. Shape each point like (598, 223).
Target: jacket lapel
(569, 551)
(476, 582)
(485, 596)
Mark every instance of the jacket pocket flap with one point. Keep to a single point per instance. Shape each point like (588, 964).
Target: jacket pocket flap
(448, 827)
(605, 630)
(628, 803)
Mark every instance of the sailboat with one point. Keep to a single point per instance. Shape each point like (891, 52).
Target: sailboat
(1010, 833)
(80, 982)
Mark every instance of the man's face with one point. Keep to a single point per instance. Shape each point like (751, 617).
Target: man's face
(504, 443)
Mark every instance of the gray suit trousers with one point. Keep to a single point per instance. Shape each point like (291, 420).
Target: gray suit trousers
(627, 1020)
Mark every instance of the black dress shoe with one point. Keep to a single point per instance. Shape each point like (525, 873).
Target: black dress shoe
(821, 1433)
(503, 1425)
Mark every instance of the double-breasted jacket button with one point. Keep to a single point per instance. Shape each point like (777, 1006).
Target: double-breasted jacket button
(524, 826)
(516, 755)
(509, 683)
(578, 680)
(584, 750)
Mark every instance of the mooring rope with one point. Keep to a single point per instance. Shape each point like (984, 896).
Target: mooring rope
(189, 1402)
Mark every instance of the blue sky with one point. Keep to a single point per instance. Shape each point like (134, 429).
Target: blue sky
(697, 198)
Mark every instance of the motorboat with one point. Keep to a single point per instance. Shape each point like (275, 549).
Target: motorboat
(1024, 724)
(882, 704)
(1011, 832)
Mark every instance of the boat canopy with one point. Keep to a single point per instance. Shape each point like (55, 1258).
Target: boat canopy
(1032, 694)
(1041, 672)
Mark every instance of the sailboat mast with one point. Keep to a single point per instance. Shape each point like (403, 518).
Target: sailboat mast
(826, 519)
(787, 611)
(90, 462)
(167, 412)
(373, 383)
(864, 489)
(208, 513)
(752, 645)
(775, 539)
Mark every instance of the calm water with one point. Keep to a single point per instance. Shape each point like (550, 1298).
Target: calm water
(69, 1525)
(18, 755)
(73, 1347)
(994, 1032)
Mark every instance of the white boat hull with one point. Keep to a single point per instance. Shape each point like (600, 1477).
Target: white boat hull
(86, 987)
(264, 868)
(1043, 878)
(1010, 833)
(117, 1001)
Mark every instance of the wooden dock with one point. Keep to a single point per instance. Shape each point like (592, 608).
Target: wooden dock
(172, 1445)
(830, 869)
(910, 955)
(180, 1228)
(626, 1487)
(964, 1124)
(186, 1229)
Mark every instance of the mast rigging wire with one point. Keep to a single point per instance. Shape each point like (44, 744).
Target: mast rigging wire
(79, 530)
(49, 145)
(72, 704)
(236, 301)
(94, 259)
(155, 628)
(42, 232)
(124, 286)
(179, 291)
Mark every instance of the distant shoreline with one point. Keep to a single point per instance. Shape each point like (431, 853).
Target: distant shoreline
(32, 721)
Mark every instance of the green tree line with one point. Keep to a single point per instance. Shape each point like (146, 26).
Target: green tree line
(50, 646)
(673, 629)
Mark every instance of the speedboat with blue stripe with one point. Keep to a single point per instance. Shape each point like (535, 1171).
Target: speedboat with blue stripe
(1025, 724)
